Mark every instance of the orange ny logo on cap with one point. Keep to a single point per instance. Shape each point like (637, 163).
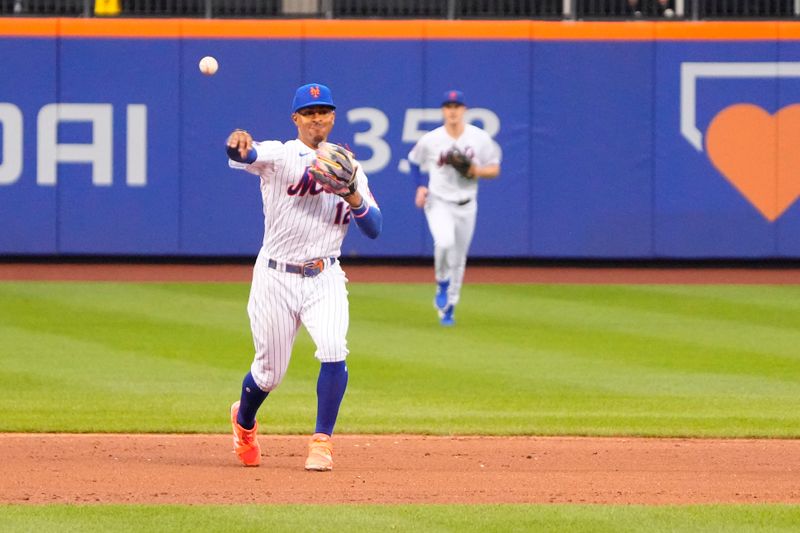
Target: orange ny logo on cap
(314, 91)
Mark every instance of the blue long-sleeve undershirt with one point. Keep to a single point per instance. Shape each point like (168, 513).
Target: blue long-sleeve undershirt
(368, 219)
(416, 174)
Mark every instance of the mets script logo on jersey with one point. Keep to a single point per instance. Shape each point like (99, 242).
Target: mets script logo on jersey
(306, 185)
(314, 91)
(754, 150)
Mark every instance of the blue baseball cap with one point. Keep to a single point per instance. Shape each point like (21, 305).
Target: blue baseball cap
(312, 94)
(453, 97)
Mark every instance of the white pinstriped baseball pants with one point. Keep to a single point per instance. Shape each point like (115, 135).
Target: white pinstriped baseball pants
(280, 302)
(452, 227)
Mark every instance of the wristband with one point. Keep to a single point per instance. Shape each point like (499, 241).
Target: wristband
(361, 210)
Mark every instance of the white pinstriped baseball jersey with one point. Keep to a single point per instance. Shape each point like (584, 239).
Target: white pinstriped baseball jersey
(445, 182)
(301, 222)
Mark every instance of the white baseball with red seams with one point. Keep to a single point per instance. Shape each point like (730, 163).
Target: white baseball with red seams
(208, 65)
(301, 223)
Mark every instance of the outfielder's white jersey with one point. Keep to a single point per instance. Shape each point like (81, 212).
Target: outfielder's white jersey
(301, 223)
(445, 182)
(451, 206)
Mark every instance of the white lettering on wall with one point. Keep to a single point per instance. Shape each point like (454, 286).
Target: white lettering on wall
(98, 153)
(373, 137)
(11, 163)
(137, 145)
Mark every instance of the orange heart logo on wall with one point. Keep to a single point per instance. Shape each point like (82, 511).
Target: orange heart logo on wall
(759, 154)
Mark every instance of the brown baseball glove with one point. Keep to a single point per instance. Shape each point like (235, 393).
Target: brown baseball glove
(459, 161)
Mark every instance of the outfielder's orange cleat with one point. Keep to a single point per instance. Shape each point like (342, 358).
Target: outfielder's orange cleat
(320, 453)
(245, 441)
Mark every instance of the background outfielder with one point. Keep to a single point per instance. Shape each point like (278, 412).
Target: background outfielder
(311, 190)
(455, 155)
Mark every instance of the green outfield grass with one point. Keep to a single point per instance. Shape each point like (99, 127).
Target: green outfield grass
(428, 518)
(523, 359)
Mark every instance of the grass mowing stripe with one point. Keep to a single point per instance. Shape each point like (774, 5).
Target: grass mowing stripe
(522, 359)
(600, 330)
(664, 324)
(433, 518)
(64, 384)
(764, 303)
(176, 334)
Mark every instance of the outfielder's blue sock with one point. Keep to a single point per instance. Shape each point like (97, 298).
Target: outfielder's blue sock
(251, 400)
(331, 385)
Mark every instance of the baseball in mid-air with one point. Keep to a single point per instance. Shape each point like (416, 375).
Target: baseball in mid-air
(208, 66)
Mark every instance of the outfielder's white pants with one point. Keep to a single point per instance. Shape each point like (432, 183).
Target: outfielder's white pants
(452, 227)
(280, 302)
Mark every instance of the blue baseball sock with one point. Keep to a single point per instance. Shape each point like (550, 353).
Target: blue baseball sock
(251, 400)
(331, 385)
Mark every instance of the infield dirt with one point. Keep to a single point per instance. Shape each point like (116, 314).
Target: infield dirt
(198, 469)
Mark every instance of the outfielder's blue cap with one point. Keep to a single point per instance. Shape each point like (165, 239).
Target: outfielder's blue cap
(453, 97)
(312, 94)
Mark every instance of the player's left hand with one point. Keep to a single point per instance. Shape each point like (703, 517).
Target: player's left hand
(335, 169)
(242, 141)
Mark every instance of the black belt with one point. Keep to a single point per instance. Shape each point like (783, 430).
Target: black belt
(309, 269)
(456, 202)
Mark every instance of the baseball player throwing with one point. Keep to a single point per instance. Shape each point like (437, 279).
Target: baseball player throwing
(455, 155)
(311, 191)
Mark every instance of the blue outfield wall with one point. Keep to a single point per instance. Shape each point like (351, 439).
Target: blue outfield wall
(611, 149)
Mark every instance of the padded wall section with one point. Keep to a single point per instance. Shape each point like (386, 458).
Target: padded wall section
(641, 141)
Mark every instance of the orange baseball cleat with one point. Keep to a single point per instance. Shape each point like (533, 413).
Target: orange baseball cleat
(320, 453)
(245, 441)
